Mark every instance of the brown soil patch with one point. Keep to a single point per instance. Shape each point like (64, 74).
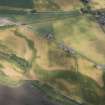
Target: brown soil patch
(11, 72)
(16, 44)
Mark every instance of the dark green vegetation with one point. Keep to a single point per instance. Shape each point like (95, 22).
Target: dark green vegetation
(88, 91)
(33, 6)
(86, 88)
(22, 63)
(30, 44)
(17, 3)
(45, 29)
(53, 94)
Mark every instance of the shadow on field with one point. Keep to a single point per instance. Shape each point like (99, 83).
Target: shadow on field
(25, 94)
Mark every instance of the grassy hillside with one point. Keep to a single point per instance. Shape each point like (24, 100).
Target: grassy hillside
(56, 5)
(27, 52)
(96, 4)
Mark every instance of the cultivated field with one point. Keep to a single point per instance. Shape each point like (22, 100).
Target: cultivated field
(83, 35)
(27, 52)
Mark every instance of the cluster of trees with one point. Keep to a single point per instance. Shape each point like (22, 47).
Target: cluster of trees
(22, 63)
